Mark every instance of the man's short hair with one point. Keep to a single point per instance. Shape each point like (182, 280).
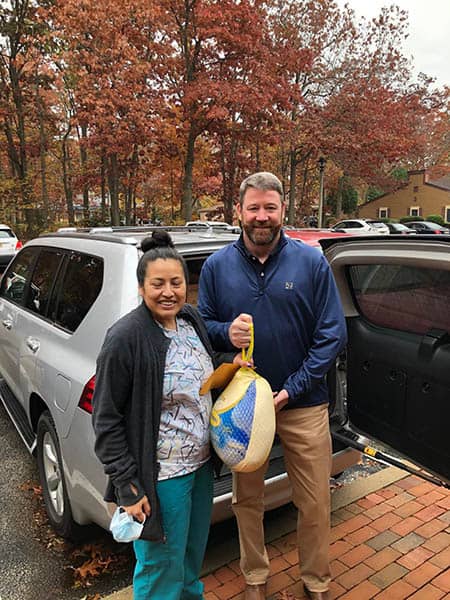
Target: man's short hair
(261, 181)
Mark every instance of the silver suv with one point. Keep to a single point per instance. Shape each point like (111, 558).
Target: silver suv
(57, 299)
(362, 227)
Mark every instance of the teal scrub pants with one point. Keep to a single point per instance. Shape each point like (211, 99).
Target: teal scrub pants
(171, 570)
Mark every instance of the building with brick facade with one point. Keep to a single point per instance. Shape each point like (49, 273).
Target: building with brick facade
(417, 197)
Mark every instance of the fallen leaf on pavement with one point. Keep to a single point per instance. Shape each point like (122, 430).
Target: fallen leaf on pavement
(285, 595)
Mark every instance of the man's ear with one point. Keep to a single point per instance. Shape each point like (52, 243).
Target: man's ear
(238, 209)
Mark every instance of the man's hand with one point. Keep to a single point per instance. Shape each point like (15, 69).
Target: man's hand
(140, 510)
(280, 399)
(239, 331)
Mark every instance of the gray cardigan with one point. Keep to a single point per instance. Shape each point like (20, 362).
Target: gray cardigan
(127, 406)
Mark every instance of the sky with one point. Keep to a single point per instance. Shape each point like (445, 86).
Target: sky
(429, 32)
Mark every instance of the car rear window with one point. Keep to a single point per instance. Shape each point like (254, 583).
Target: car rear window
(42, 281)
(401, 297)
(80, 286)
(194, 266)
(6, 233)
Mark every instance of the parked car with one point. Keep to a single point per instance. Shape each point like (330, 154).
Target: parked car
(218, 225)
(399, 228)
(9, 245)
(427, 227)
(380, 226)
(312, 236)
(361, 227)
(62, 291)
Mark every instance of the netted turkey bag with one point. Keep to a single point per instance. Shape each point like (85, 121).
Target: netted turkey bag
(243, 422)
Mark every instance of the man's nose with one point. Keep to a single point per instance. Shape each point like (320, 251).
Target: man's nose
(261, 215)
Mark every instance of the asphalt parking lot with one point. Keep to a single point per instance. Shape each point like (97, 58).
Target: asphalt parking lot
(35, 564)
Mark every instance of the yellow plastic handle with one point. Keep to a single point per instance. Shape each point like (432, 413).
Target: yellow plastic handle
(247, 353)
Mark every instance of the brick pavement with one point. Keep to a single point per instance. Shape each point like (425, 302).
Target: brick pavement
(391, 544)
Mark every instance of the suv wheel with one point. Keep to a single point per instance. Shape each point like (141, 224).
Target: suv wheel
(52, 479)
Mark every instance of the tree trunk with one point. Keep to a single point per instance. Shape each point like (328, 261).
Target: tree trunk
(172, 194)
(43, 157)
(67, 179)
(284, 157)
(292, 185)
(257, 157)
(103, 188)
(130, 212)
(20, 120)
(229, 169)
(186, 199)
(127, 194)
(304, 182)
(84, 170)
(113, 184)
(21, 164)
(338, 210)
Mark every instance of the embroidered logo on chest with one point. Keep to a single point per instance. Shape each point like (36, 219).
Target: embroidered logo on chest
(289, 285)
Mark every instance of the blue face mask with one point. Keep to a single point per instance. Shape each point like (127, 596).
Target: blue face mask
(123, 527)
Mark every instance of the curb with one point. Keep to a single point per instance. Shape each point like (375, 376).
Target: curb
(223, 553)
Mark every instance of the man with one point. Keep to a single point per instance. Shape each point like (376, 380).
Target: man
(287, 289)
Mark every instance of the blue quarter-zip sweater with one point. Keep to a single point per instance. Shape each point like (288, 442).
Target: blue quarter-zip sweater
(298, 319)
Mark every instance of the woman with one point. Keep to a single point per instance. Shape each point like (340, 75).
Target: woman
(152, 426)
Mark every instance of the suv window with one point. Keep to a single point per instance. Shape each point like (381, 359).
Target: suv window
(194, 266)
(6, 233)
(81, 284)
(42, 281)
(13, 286)
(400, 297)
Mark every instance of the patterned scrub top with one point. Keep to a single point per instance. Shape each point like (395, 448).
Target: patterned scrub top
(183, 442)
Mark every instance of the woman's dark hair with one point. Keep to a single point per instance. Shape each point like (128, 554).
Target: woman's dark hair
(159, 245)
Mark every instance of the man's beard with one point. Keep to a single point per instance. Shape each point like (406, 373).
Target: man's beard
(262, 236)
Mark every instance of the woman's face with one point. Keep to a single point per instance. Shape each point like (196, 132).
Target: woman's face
(164, 290)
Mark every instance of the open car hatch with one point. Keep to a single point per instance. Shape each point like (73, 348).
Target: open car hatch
(396, 297)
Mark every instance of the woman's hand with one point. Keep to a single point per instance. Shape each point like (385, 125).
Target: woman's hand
(139, 511)
(238, 360)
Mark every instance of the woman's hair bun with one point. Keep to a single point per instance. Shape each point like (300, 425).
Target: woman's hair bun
(159, 239)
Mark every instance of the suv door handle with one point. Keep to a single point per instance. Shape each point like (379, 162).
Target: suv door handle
(7, 323)
(33, 344)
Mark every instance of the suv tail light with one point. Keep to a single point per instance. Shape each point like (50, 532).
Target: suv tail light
(85, 402)
(19, 245)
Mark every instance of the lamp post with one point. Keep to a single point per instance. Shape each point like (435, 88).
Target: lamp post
(321, 162)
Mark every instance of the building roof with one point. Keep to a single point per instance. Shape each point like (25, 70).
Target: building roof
(442, 183)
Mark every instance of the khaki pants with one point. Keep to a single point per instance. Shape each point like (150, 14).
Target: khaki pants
(305, 437)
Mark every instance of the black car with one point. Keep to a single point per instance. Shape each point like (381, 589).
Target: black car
(399, 228)
(428, 227)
